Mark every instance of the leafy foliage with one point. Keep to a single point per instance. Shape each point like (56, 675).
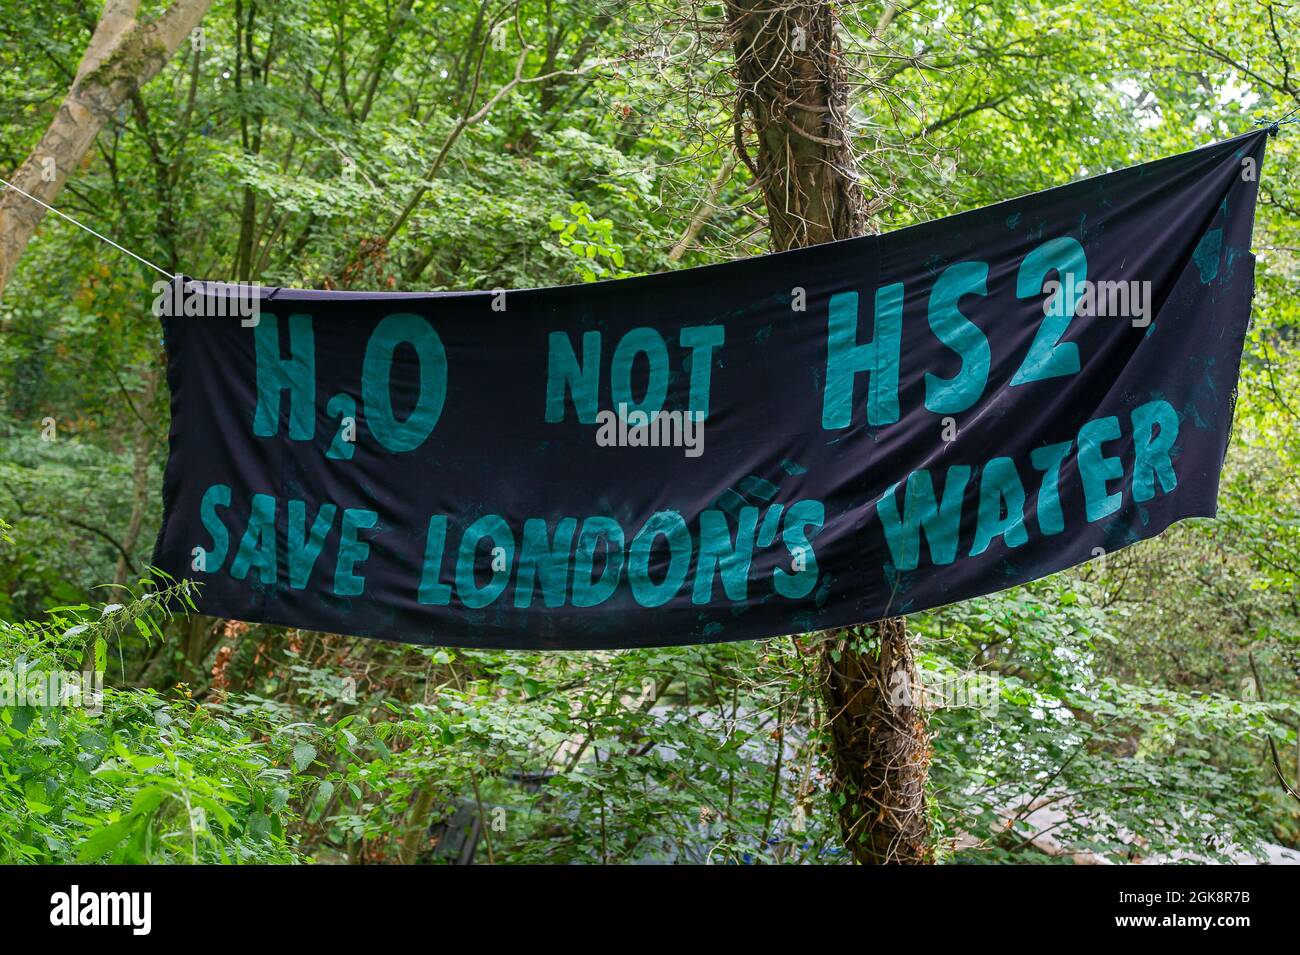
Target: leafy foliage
(457, 145)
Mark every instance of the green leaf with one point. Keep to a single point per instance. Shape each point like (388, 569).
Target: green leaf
(36, 797)
(104, 840)
(303, 754)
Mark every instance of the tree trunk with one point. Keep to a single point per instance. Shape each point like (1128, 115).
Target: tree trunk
(880, 748)
(122, 56)
(142, 448)
(792, 102)
(791, 131)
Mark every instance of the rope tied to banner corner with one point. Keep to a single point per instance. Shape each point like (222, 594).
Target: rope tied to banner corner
(1274, 125)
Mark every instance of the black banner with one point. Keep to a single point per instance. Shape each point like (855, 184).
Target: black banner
(786, 443)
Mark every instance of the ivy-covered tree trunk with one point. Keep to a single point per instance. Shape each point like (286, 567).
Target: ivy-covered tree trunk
(880, 747)
(792, 133)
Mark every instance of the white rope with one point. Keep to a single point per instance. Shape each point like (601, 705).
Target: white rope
(80, 225)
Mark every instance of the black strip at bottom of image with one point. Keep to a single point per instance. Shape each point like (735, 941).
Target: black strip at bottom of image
(332, 904)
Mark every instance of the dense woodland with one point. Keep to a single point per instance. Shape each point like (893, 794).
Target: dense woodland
(1146, 704)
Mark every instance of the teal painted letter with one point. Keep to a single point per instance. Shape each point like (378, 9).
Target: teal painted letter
(341, 406)
(798, 542)
(1048, 356)
(352, 551)
(701, 340)
(376, 381)
(295, 374)
(951, 395)
(1155, 429)
(646, 591)
(547, 559)
(432, 590)
(719, 552)
(493, 527)
(1095, 470)
(257, 547)
(638, 341)
(940, 521)
(1048, 459)
(1000, 487)
(304, 548)
(845, 358)
(588, 592)
(218, 495)
(564, 372)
